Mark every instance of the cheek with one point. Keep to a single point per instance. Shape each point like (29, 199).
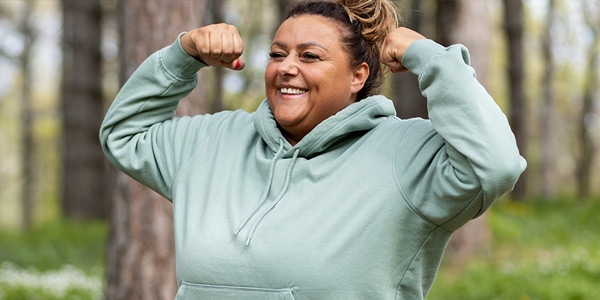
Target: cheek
(270, 73)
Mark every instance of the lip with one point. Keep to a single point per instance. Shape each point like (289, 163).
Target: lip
(290, 96)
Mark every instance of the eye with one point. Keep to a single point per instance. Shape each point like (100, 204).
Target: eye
(276, 55)
(310, 56)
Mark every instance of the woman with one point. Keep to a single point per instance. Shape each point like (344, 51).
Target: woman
(322, 193)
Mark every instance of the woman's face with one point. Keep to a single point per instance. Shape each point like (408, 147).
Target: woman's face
(309, 77)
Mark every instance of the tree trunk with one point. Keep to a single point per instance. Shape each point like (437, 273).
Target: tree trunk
(548, 111)
(216, 103)
(141, 255)
(513, 26)
(586, 140)
(284, 6)
(406, 94)
(84, 175)
(467, 22)
(26, 112)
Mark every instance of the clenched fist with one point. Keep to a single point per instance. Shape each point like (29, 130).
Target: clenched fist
(395, 45)
(217, 45)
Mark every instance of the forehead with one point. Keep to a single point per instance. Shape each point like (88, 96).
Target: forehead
(304, 29)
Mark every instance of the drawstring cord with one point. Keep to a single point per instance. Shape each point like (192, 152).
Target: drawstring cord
(279, 197)
(263, 198)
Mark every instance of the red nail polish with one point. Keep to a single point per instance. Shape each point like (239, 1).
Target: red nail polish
(237, 65)
(223, 62)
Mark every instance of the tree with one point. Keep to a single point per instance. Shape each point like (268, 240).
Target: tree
(216, 7)
(26, 112)
(548, 109)
(84, 175)
(406, 95)
(513, 26)
(141, 256)
(283, 6)
(591, 13)
(467, 22)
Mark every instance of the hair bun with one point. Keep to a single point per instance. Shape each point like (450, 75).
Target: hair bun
(377, 17)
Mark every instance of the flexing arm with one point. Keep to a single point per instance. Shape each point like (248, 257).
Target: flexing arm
(139, 135)
(477, 159)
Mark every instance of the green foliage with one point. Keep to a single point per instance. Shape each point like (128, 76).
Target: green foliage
(50, 246)
(541, 250)
(66, 283)
(61, 260)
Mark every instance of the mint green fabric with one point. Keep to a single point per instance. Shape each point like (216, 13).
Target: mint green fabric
(361, 208)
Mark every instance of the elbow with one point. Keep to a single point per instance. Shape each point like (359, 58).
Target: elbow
(504, 176)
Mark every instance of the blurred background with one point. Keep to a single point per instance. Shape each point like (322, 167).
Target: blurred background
(72, 227)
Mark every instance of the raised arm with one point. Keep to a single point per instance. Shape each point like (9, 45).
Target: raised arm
(139, 135)
(476, 159)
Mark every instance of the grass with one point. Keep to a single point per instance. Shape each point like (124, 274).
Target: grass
(59, 260)
(540, 250)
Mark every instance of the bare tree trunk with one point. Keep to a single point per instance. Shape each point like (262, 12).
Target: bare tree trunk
(406, 95)
(548, 110)
(514, 31)
(467, 22)
(84, 175)
(216, 104)
(284, 6)
(26, 111)
(141, 255)
(588, 147)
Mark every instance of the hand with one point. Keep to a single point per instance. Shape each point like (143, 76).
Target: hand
(395, 45)
(217, 45)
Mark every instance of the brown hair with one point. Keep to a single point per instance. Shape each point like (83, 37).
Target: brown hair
(366, 23)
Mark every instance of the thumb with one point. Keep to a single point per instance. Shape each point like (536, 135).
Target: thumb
(395, 66)
(237, 64)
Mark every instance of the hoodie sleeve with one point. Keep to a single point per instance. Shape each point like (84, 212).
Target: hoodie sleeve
(467, 155)
(139, 135)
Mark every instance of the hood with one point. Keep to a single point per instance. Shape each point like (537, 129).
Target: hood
(359, 116)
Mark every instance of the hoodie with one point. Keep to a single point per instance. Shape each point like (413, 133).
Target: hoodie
(361, 208)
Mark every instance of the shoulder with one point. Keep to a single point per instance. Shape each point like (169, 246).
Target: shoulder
(409, 128)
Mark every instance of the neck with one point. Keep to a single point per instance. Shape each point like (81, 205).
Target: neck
(292, 139)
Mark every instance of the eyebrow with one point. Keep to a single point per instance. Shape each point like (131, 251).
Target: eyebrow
(301, 46)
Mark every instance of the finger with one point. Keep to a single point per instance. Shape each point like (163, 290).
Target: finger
(393, 64)
(400, 70)
(237, 64)
(238, 45)
(227, 47)
(216, 45)
(203, 43)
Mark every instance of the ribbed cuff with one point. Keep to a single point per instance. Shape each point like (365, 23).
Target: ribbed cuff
(178, 62)
(419, 53)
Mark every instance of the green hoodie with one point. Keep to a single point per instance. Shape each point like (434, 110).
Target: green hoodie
(361, 208)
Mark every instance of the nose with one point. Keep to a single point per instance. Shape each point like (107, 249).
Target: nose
(288, 67)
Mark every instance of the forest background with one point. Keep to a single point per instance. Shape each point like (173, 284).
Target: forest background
(73, 227)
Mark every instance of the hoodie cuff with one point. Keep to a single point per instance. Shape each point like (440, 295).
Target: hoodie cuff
(178, 62)
(419, 53)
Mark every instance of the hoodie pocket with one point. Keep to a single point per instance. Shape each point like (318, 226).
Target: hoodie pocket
(196, 291)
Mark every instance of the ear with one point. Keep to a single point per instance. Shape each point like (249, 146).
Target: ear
(359, 77)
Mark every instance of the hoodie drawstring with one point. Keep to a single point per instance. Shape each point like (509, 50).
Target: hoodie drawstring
(263, 198)
(286, 184)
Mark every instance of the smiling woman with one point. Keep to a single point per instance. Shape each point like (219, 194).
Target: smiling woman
(309, 77)
(322, 193)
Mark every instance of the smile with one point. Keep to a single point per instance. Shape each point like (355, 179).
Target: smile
(291, 91)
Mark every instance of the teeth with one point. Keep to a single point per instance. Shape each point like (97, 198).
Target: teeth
(292, 91)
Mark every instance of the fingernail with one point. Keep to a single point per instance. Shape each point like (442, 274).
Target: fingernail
(237, 65)
(223, 62)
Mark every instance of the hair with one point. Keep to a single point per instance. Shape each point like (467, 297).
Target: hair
(366, 24)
